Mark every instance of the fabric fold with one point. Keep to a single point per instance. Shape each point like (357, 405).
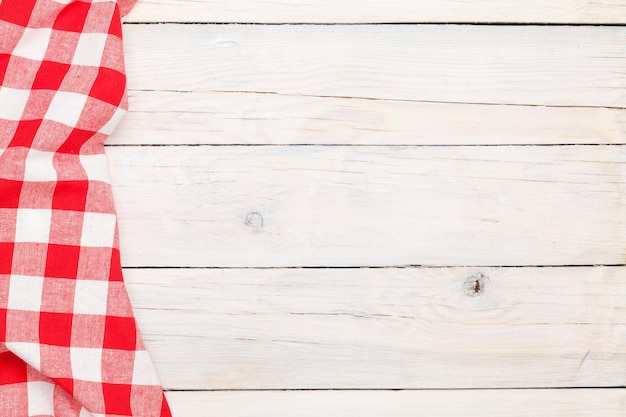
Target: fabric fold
(69, 344)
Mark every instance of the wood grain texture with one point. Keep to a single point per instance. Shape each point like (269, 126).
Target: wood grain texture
(522, 65)
(272, 206)
(472, 403)
(354, 11)
(162, 117)
(383, 327)
(377, 329)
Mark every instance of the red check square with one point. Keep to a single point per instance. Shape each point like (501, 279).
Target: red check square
(117, 399)
(109, 86)
(118, 333)
(16, 11)
(6, 257)
(25, 133)
(55, 329)
(72, 17)
(62, 261)
(3, 324)
(13, 369)
(70, 195)
(50, 75)
(10, 191)
(4, 63)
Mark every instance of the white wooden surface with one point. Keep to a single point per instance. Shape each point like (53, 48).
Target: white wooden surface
(223, 118)
(305, 210)
(370, 206)
(388, 328)
(359, 11)
(579, 66)
(468, 403)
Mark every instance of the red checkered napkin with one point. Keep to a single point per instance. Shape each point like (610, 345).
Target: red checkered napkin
(69, 346)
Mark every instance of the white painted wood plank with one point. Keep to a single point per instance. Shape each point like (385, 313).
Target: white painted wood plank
(370, 206)
(355, 11)
(531, 65)
(472, 403)
(161, 117)
(383, 327)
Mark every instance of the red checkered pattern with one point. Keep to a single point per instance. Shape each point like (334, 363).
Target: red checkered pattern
(69, 345)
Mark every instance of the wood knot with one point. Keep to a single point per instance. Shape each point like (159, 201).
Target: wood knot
(475, 284)
(254, 221)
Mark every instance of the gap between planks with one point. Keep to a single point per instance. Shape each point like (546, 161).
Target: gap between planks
(416, 23)
(392, 100)
(393, 389)
(139, 267)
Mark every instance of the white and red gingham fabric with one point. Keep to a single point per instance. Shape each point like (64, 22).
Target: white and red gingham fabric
(69, 346)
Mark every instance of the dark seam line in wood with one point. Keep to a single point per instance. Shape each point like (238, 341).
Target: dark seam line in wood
(399, 100)
(394, 389)
(433, 145)
(380, 267)
(456, 23)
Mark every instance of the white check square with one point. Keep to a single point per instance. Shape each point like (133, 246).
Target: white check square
(12, 103)
(25, 293)
(98, 230)
(33, 44)
(66, 108)
(40, 399)
(86, 364)
(90, 297)
(85, 413)
(90, 49)
(39, 166)
(144, 372)
(33, 225)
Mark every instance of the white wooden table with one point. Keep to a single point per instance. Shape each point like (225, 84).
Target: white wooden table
(352, 208)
